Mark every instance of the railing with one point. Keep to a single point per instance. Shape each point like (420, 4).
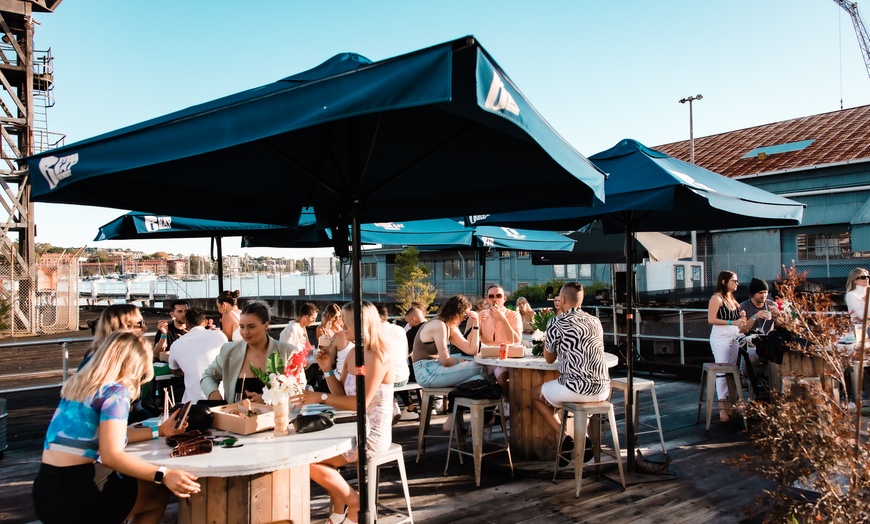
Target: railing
(64, 344)
(609, 316)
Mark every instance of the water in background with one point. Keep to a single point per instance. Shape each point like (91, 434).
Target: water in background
(252, 286)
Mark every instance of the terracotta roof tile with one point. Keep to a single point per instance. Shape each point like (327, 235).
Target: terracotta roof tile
(839, 136)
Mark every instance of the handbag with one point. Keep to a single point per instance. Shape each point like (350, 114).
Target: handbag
(196, 446)
(316, 422)
(179, 438)
(478, 389)
(775, 344)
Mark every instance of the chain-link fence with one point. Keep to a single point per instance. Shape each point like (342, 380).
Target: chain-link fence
(43, 301)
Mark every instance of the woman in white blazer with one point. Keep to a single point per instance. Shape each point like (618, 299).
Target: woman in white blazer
(232, 366)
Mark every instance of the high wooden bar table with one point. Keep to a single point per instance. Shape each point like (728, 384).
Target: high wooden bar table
(532, 439)
(265, 480)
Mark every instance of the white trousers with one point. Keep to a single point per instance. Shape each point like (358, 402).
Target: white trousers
(723, 342)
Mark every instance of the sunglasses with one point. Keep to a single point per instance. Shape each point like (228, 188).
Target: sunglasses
(862, 277)
(496, 296)
(137, 325)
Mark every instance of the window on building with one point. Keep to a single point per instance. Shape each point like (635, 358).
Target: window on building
(469, 268)
(523, 254)
(452, 269)
(504, 254)
(369, 270)
(559, 271)
(819, 246)
(585, 271)
(571, 271)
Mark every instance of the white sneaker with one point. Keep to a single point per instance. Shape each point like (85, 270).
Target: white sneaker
(409, 415)
(437, 405)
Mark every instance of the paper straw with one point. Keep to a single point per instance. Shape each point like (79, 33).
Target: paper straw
(172, 392)
(165, 403)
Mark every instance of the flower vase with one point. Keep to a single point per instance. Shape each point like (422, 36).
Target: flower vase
(282, 417)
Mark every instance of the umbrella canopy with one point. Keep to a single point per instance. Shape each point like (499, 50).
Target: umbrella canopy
(359, 141)
(656, 192)
(593, 246)
(384, 137)
(137, 225)
(647, 190)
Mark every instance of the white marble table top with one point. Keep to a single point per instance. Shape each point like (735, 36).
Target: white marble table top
(261, 452)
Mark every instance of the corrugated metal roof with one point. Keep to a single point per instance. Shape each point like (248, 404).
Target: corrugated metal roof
(839, 136)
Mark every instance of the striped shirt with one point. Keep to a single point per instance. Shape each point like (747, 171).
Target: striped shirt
(577, 338)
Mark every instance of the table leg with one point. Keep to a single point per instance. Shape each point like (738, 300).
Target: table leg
(531, 437)
(254, 499)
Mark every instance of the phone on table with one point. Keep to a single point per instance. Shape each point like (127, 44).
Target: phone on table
(183, 411)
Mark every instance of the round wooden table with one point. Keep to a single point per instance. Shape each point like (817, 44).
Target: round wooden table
(532, 439)
(265, 480)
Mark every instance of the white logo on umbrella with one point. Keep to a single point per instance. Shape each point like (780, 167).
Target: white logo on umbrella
(499, 98)
(55, 169)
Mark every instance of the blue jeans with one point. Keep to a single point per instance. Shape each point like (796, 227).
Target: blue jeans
(431, 374)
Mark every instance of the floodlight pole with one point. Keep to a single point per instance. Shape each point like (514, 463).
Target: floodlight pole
(691, 99)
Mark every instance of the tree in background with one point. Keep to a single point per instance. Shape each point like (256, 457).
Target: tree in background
(412, 279)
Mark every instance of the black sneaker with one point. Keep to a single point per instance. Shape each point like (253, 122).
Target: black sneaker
(588, 453)
(567, 450)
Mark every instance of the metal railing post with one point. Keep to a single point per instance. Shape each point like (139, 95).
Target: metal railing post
(65, 350)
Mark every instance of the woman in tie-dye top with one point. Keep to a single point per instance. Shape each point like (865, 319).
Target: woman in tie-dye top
(85, 474)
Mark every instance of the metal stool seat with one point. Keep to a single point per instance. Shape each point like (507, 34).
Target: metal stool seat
(476, 406)
(427, 395)
(581, 413)
(708, 386)
(639, 385)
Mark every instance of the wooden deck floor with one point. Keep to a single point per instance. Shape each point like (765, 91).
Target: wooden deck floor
(703, 489)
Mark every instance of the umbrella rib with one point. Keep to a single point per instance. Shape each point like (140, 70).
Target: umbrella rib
(296, 165)
(402, 171)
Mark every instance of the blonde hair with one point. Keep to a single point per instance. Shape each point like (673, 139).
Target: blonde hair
(853, 275)
(113, 318)
(124, 358)
(371, 329)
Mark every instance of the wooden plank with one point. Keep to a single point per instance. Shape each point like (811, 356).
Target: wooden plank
(260, 498)
(300, 494)
(216, 493)
(238, 499)
(280, 487)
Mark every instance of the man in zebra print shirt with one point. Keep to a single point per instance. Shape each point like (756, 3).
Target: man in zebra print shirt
(576, 339)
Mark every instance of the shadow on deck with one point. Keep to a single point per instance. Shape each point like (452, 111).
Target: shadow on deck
(703, 489)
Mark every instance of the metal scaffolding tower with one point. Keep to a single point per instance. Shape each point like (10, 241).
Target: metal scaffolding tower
(25, 92)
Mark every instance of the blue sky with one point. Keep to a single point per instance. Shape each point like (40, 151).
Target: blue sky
(597, 71)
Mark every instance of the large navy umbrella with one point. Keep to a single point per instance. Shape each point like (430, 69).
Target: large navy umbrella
(137, 225)
(593, 246)
(418, 136)
(436, 234)
(647, 190)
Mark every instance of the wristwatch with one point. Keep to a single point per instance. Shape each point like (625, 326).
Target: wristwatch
(158, 475)
(323, 397)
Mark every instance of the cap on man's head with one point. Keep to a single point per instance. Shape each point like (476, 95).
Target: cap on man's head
(757, 285)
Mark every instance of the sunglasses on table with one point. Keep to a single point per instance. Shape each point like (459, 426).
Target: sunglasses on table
(499, 295)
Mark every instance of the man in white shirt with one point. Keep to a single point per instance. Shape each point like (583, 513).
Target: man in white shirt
(397, 342)
(193, 352)
(296, 332)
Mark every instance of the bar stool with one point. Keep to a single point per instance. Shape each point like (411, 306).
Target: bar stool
(476, 407)
(708, 385)
(427, 395)
(581, 413)
(376, 461)
(640, 384)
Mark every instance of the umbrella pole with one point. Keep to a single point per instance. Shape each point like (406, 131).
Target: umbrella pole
(220, 263)
(359, 353)
(629, 357)
(481, 253)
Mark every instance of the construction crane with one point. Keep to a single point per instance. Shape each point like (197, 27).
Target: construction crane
(860, 29)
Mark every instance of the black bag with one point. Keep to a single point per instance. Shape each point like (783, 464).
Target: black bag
(478, 389)
(774, 345)
(317, 422)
